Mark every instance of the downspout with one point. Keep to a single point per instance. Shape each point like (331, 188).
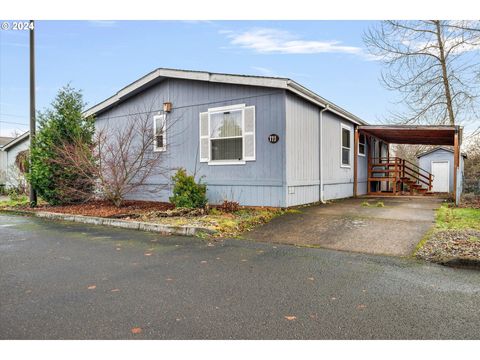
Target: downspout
(320, 140)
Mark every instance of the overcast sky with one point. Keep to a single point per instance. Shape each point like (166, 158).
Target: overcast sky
(100, 57)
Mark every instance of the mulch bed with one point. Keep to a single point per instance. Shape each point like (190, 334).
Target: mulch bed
(451, 244)
(105, 209)
(470, 201)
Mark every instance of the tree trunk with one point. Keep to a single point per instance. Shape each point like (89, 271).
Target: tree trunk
(443, 63)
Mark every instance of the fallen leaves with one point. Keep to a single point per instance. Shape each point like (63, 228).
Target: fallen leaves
(136, 330)
(361, 306)
(148, 254)
(115, 290)
(311, 278)
(290, 317)
(203, 262)
(92, 287)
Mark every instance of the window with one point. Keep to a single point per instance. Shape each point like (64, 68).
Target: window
(361, 144)
(227, 135)
(159, 132)
(345, 146)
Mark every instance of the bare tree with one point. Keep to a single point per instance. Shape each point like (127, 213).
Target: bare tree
(122, 159)
(433, 64)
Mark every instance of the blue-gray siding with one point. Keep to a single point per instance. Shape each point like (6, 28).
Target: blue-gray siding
(284, 174)
(337, 180)
(259, 182)
(302, 151)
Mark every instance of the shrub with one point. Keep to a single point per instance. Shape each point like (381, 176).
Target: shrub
(55, 177)
(229, 206)
(186, 192)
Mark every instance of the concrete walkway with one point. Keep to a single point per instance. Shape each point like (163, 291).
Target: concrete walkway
(394, 229)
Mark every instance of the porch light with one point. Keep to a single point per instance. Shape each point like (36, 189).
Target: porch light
(167, 107)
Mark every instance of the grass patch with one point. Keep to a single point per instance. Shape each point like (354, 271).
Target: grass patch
(225, 224)
(455, 235)
(365, 204)
(15, 202)
(457, 218)
(380, 204)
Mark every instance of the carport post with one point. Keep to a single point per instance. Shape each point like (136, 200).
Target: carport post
(456, 161)
(355, 161)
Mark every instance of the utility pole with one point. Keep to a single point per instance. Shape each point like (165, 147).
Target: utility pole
(33, 193)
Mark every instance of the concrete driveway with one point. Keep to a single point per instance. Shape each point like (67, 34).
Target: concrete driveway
(394, 229)
(75, 281)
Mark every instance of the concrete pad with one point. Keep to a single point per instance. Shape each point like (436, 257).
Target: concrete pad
(394, 229)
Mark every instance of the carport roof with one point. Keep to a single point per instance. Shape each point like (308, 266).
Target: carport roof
(414, 134)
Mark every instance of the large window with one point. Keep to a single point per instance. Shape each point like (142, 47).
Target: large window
(226, 135)
(361, 144)
(346, 147)
(159, 131)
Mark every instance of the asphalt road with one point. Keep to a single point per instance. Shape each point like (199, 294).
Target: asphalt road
(72, 281)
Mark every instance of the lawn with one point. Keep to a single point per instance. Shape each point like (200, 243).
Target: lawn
(456, 236)
(457, 218)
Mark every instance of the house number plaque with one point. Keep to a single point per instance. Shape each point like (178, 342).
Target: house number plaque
(273, 138)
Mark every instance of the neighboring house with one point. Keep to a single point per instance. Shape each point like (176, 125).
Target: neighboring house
(261, 141)
(13, 177)
(3, 159)
(439, 162)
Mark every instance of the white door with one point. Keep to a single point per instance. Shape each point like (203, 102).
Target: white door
(440, 172)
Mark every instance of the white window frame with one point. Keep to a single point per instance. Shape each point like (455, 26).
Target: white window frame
(349, 165)
(364, 144)
(155, 147)
(222, 109)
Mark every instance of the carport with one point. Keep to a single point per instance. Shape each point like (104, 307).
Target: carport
(390, 175)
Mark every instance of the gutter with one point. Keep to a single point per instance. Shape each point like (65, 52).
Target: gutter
(320, 140)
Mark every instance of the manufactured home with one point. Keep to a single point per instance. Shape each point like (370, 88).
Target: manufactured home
(264, 141)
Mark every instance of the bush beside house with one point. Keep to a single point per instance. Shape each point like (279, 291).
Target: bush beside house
(56, 177)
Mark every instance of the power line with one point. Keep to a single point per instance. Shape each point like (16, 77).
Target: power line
(13, 115)
(12, 122)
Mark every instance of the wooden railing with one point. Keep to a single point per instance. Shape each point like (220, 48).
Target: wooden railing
(398, 172)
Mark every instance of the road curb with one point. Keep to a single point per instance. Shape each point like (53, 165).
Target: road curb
(118, 223)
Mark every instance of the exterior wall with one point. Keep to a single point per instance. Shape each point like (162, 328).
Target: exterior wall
(3, 167)
(362, 172)
(425, 162)
(337, 180)
(259, 182)
(12, 174)
(302, 151)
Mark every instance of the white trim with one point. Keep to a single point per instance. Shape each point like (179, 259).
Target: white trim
(155, 147)
(346, 127)
(250, 133)
(364, 145)
(226, 108)
(227, 162)
(220, 110)
(448, 172)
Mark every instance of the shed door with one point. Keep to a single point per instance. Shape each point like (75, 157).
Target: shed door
(440, 171)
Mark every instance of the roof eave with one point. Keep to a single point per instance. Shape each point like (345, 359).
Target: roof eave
(280, 83)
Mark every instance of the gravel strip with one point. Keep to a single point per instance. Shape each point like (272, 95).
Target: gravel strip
(446, 245)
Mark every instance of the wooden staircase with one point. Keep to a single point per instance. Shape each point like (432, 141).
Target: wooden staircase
(397, 176)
